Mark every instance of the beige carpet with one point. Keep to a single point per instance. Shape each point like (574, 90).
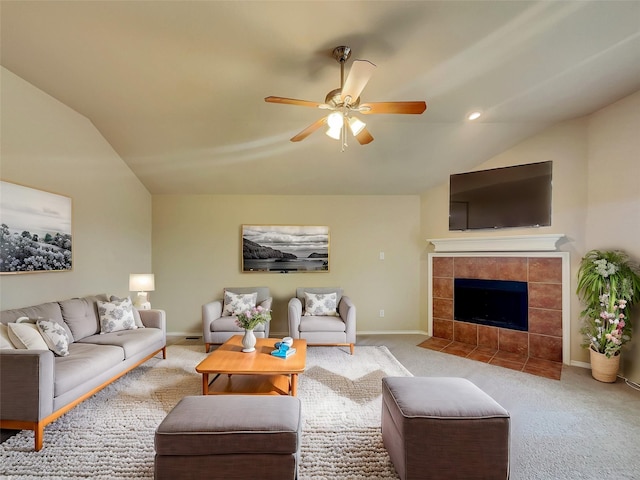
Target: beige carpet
(111, 435)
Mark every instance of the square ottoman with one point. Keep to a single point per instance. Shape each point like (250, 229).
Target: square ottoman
(444, 428)
(230, 436)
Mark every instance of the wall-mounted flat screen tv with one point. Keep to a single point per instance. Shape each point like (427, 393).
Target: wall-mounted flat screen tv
(518, 196)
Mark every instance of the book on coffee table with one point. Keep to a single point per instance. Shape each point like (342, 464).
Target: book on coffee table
(283, 353)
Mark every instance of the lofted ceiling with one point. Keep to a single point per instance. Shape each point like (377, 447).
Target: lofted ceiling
(177, 87)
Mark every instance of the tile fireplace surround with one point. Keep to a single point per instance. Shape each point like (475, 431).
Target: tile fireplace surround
(540, 350)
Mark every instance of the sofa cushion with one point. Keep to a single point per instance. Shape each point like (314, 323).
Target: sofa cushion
(26, 336)
(238, 302)
(54, 336)
(81, 315)
(132, 342)
(50, 311)
(84, 362)
(116, 316)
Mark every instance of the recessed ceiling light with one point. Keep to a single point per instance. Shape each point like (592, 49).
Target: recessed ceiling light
(474, 115)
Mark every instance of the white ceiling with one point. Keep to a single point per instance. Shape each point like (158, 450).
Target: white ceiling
(177, 87)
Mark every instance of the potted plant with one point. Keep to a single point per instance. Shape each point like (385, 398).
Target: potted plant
(608, 286)
(250, 319)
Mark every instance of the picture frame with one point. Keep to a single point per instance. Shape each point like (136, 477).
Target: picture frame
(285, 248)
(36, 230)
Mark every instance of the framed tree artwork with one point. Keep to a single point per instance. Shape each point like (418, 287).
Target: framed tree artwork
(35, 232)
(285, 248)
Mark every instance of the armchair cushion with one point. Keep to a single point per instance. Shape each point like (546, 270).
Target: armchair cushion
(228, 324)
(322, 324)
(320, 304)
(238, 302)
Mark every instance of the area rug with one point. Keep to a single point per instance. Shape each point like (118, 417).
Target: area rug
(110, 435)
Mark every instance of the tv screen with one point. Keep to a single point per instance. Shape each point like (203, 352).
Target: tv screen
(518, 196)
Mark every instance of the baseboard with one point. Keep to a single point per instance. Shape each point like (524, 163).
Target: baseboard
(286, 334)
(392, 332)
(575, 363)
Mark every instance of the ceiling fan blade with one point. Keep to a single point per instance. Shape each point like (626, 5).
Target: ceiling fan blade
(364, 137)
(393, 107)
(294, 101)
(359, 75)
(309, 130)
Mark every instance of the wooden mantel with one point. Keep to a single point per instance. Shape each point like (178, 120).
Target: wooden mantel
(512, 243)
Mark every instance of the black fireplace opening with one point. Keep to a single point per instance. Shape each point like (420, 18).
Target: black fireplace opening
(499, 303)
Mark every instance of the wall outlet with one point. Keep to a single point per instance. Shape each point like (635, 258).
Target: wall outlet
(381, 313)
(381, 256)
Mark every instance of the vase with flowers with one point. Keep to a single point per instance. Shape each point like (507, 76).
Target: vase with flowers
(608, 286)
(250, 319)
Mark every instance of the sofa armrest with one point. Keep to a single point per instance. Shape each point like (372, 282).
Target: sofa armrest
(295, 314)
(154, 319)
(347, 311)
(26, 384)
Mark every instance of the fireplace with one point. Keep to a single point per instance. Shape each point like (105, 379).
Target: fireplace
(499, 303)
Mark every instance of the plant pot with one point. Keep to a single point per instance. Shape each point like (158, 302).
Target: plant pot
(604, 369)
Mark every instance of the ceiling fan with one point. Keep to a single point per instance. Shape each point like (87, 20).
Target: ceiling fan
(344, 102)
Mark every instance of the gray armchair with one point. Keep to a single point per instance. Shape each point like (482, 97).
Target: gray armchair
(219, 326)
(329, 327)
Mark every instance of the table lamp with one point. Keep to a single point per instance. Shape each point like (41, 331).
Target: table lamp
(141, 283)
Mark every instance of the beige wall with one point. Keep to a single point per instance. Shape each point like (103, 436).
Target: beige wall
(197, 250)
(583, 151)
(613, 220)
(48, 146)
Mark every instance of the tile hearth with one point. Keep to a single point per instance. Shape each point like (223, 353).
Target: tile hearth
(521, 363)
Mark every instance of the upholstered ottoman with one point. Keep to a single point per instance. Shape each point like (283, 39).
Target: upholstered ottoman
(444, 428)
(230, 436)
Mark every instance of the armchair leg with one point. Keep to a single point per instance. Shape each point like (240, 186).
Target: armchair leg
(351, 346)
(206, 347)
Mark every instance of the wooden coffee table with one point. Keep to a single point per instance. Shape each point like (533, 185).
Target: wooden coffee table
(258, 372)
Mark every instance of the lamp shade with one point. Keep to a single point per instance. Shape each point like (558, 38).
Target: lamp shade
(356, 125)
(141, 282)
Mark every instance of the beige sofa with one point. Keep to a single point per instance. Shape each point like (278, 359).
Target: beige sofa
(38, 386)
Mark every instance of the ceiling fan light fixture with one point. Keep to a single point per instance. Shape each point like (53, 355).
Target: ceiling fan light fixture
(356, 125)
(335, 120)
(334, 132)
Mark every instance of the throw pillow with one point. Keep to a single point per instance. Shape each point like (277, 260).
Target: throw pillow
(26, 320)
(5, 341)
(136, 313)
(26, 336)
(238, 302)
(320, 304)
(116, 316)
(54, 336)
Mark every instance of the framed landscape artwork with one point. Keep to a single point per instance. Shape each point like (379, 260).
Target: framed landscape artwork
(35, 235)
(285, 249)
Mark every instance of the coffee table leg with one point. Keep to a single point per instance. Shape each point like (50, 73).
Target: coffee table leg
(205, 384)
(294, 384)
